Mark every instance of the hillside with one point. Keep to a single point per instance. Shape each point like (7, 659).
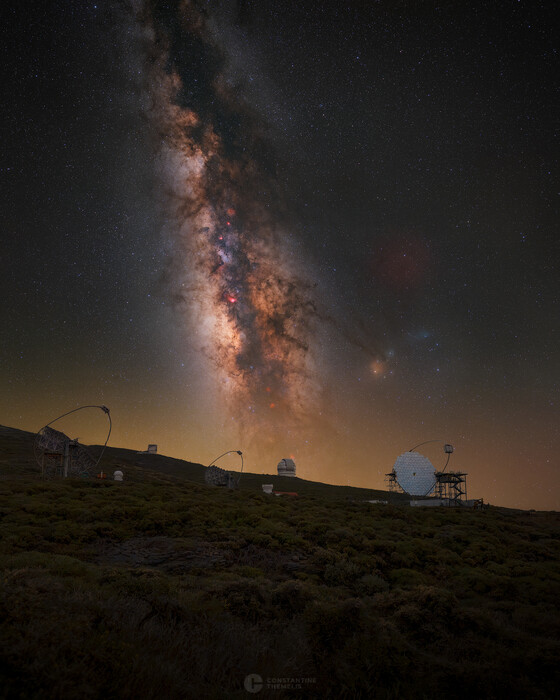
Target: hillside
(161, 586)
(17, 460)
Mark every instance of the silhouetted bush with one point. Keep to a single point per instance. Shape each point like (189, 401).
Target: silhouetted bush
(156, 588)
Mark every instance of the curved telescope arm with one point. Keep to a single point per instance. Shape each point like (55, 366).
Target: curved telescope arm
(447, 448)
(227, 453)
(423, 443)
(81, 408)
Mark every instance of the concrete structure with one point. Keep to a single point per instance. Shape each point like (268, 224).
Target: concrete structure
(152, 450)
(430, 502)
(267, 488)
(475, 503)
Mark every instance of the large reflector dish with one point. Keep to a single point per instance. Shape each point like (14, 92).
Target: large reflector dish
(415, 473)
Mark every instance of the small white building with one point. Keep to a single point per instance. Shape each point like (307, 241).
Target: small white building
(118, 475)
(152, 450)
(286, 467)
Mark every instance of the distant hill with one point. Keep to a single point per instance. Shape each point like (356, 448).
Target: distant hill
(17, 459)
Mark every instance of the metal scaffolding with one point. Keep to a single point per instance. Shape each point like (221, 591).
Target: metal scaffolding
(451, 486)
(392, 483)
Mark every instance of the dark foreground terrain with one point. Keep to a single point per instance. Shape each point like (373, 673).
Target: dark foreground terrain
(163, 587)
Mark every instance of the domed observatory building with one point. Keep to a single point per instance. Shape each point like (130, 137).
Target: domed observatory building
(286, 467)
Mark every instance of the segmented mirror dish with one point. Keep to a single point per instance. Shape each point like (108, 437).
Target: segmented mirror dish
(415, 473)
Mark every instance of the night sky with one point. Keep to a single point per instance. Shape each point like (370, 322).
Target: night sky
(319, 229)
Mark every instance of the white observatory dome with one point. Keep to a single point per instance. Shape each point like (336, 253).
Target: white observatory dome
(286, 467)
(118, 475)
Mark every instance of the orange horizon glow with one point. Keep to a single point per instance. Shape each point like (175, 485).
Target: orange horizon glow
(500, 471)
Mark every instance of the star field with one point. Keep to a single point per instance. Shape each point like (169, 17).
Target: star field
(403, 171)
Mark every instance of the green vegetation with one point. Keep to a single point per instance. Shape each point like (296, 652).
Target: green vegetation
(163, 587)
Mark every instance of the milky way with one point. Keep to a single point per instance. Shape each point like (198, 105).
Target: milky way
(234, 272)
(398, 155)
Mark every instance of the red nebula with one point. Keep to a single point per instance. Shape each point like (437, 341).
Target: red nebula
(402, 262)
